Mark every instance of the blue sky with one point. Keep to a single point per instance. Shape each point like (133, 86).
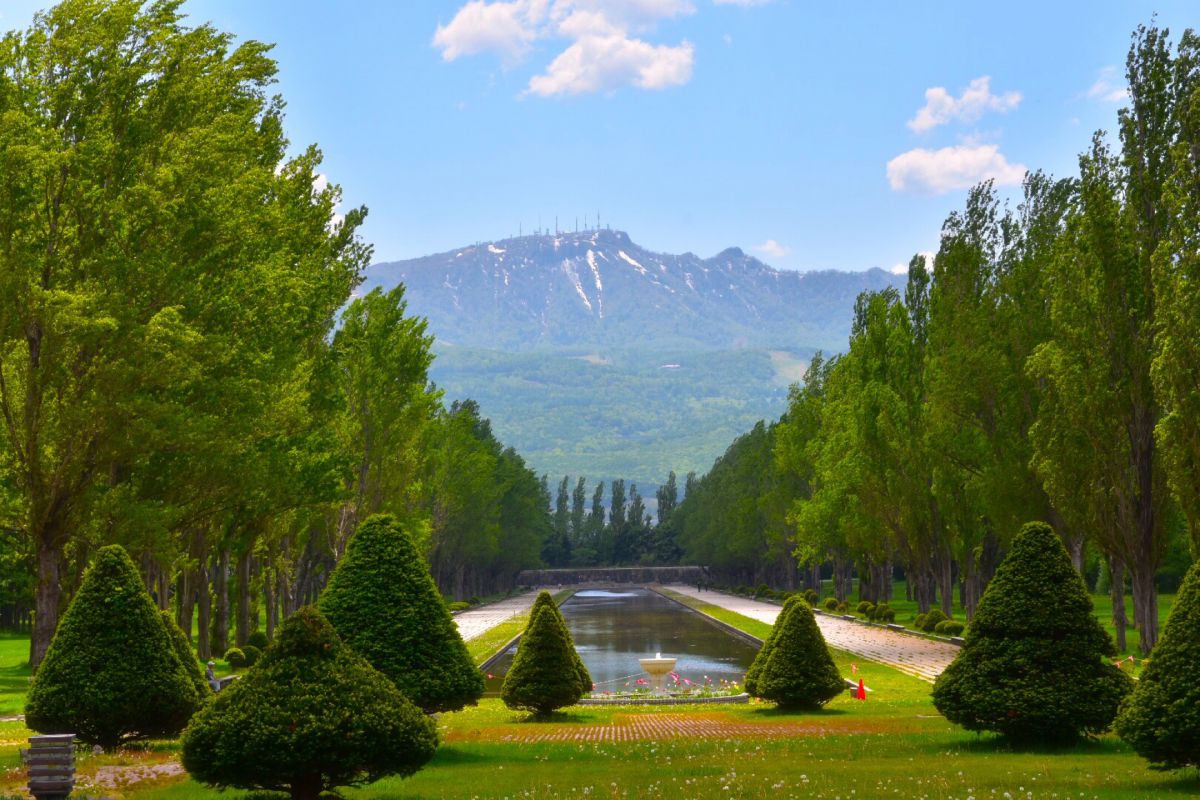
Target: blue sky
(814, 135)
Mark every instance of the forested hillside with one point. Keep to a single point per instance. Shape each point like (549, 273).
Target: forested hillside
(1043, 367)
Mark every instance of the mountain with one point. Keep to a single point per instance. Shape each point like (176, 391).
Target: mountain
(594, 356)
(599, 290)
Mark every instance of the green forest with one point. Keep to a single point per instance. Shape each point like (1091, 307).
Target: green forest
(185, 369)
(1045, 366)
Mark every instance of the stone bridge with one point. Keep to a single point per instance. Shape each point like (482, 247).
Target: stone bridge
(611, 575)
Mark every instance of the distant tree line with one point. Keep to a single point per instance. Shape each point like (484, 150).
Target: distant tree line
(1047, 369)
(588, 533)
(184, 369)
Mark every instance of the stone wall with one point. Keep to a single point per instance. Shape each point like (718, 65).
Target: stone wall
(610, 575)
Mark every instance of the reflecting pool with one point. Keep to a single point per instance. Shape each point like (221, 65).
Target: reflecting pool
(613, 628)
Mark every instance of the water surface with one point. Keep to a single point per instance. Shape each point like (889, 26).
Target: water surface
(613, 628)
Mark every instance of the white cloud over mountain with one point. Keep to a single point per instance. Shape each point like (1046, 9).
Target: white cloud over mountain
(938, 171)
(606, 41)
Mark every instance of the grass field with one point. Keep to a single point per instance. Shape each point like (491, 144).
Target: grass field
(893, 745)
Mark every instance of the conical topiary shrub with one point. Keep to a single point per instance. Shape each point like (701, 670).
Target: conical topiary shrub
(545, 600)
(760, 660)
(1161, 719)
(383, 602)
(312, 715)
(183, 649)
(111, 674)
(544, 674)
(1033, 667)
(798, 672)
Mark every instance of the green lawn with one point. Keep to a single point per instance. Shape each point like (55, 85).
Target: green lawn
(14, 672)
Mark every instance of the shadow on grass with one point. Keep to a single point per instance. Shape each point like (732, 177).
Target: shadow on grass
(1185, 782)
(559, 718)
(992, 743)
(448, 755)
(775, 712)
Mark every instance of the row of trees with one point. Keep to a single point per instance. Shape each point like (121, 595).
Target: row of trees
(623, 532)
(181, 370)
(1047, 370)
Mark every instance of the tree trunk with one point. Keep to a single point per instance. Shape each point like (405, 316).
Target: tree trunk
(187, 600)
(1116, 591)
(48, 594)
(1145, 606)
(269, 604)
(204, 614)
(242, 631)
(221, 590)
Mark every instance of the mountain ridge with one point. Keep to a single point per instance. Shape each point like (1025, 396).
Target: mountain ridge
(598, 289)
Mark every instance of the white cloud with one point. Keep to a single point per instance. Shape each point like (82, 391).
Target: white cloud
(942, 107)
(958, 167)
(773, 249)
(507, 28)
(604, 63)
(606, 45)
(1106, 87)
(901, 268)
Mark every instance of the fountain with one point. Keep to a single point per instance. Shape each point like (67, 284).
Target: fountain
(658, 668)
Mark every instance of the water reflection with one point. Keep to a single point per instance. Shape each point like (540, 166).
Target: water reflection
(614, 628)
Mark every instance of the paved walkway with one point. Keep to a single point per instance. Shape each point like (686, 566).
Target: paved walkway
(478, 621)
(924, 658)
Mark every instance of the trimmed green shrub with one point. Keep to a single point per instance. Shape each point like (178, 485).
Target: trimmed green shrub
(843, 607)
(458, 605)
(258, 639)
(474, 601)
(382, 600)
(252, 654)
(933, 617)
(545, 672)
(919, 622)
(236, 658)
(864, 607)
(311, 716)
(1161, 719)
(187, 658)
(949, 627)
(798, 672)
(830, 604)
(546, 600)
(884, 613)
(812, 596)
(111, 674)
(750, 682)
(1033, 666)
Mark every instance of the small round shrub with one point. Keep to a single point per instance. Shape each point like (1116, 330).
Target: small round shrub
(1161, 719)
(183, 649)
(474, 601)
(919, 622)
(458, 605)
(1034, 667)
(311, 716)
(949, 627)
(796, 670)
(545, 671)
(884, 613)
(236, 658)
(252, 654)
(865, 607)
(830, 604)
(382, 600)
(112, 673)
(812, 596)
(258, 639)
(932, 618)
(843, 607)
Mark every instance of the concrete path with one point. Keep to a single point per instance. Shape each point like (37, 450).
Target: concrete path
(924, 658)
(477, 621)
